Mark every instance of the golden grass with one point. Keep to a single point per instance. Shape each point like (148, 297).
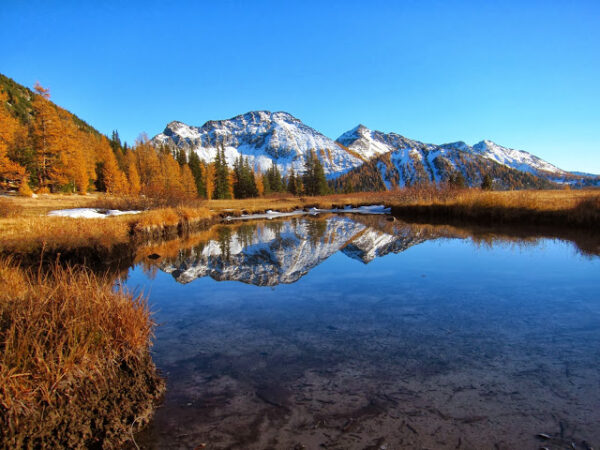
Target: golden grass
(28, 229)
(74, 352)
(563, 208)
(31, 231)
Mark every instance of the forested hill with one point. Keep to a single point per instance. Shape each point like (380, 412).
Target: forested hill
(45, 148)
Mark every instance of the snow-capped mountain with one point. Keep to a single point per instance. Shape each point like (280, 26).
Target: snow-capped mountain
(369, 144)
(284, 251)
(370, 159)
(516, 159)
(397, 161)
(401, 162)
(264, 138)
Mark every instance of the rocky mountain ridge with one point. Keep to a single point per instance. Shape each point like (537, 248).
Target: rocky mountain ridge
(380, 160)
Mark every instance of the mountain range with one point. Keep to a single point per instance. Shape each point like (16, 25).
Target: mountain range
(367, 159)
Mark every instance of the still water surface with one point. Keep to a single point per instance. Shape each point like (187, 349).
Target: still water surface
(358, 332)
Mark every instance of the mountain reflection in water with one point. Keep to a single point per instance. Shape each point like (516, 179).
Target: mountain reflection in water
(354, 332)
(268, 253)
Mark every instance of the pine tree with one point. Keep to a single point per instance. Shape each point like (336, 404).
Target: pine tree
(181, 156)
(292, 183)
(487, 184)
(244, 184)
(275, 181)
(313, 178)
(222, 176)
(197, 169)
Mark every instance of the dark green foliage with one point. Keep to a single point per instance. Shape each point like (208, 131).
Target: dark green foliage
(313, 178)
(244, 185)
(293, 184)
(273, 180)
(100, 183)
(118, 150)
(222, 187)
(180, 156)
(457, 179)
(197, 172)
(487, 183)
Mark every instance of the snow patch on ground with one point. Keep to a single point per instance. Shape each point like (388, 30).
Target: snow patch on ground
(89, 213)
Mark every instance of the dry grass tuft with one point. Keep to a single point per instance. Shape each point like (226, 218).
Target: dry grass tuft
(9, 208)
(74, 366)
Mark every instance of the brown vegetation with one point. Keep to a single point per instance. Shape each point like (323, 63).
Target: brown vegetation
(75, 369)
(26, 230)
(562, 208)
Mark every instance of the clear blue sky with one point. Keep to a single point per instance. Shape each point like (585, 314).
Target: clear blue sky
(523, 74)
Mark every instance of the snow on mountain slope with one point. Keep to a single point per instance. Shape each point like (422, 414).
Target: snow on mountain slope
(517, 159)
(369, 144)
(277, 137)
(263, 137)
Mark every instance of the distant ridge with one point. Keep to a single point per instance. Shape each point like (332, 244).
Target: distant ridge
(364, 158)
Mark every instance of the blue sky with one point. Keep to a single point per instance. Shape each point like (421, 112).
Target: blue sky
(523, 74)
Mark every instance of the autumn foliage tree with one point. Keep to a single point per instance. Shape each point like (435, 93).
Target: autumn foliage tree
(10, 171)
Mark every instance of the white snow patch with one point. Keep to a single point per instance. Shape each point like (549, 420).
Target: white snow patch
(89, 213)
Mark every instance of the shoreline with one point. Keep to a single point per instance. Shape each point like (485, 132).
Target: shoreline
(32, 239)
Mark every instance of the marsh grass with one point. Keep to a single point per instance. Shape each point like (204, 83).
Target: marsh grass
(75, 369)
(26, 229)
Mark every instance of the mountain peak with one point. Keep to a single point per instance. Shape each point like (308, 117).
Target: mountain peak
(262, 136)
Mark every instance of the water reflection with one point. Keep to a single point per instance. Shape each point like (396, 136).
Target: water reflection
(374, 334)
(268, 253)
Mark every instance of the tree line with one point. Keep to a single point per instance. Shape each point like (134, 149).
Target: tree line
(44, 148)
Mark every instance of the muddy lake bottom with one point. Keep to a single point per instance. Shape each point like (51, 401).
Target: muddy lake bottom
(340, 335)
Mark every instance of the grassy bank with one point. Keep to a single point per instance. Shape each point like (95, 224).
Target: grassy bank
(26, 230)
(75, 368)
(558, 208)
(28, 233)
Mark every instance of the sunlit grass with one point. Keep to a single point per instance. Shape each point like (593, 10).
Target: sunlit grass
(67, 337)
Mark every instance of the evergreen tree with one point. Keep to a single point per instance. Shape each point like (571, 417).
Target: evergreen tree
(181, 156)
(222, 181)
(313, 178)
(292, 183)
(244, 185)
(275, 180)
(457, 179)
(487, 184)
(266, 184)
(198, 172)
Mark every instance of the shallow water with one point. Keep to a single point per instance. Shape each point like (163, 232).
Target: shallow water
(347, 332)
